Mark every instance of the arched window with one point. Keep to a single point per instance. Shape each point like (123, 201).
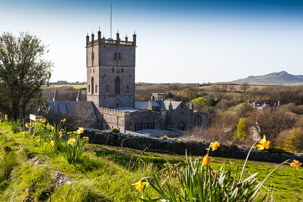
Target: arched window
(92, 85)
(117, 85)
(197, 121)
(181, 126)
(127, 88)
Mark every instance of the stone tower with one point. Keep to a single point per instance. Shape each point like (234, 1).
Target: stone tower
(111, 71)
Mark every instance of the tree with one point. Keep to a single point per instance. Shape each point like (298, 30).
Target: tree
(200, 103)
(241, 129)
(22, 73)
(244, 87)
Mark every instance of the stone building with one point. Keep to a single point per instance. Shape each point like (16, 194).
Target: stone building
(110, 89)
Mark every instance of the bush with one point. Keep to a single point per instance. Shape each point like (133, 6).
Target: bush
(16, 125)
(294, 141)
(241, 130)
(115, 130)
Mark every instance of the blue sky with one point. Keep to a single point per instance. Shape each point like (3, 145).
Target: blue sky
(178, 41)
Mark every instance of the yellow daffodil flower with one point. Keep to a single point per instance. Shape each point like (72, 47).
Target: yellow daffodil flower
(61, 132)
(263, 144)
(5, 117)
(26, 125)
(296, 164)
(205, 160)
(60, 136)
(53, 128)
(140, 185)
(64, 120)
(80, 131)
(215, 145)
(52, 143)
(71, 141)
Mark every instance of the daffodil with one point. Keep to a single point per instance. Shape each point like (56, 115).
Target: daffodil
(296, 164)
(26, 125)
(61, 133)
(5, 117)
(40, 120)
(215, 145)
(140, 185)
(60, 136)
(80, 131)
(205, 160)
(52, 143)
(71, 141)
(64, 120)
(53, 128)
(263, 144)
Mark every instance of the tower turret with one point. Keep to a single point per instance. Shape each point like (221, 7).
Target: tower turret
(87, 40)
(135, 39)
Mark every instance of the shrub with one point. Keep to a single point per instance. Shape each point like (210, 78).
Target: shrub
(16, 125)
(115, 130)
(241, 130)
(294, 141)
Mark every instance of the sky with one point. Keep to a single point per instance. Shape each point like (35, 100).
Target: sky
(190, 41)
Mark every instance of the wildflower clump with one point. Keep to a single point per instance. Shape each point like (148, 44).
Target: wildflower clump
(198, 181)
(296, 164)
(263, 144)
(140, 185)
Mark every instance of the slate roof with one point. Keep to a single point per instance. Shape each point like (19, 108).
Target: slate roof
(163, 104)
(141, 105)
(84, 109)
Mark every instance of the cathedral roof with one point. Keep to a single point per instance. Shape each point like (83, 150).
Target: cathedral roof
(165, 104)
(84, 109)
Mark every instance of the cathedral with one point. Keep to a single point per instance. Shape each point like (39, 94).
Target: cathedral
(111, 65)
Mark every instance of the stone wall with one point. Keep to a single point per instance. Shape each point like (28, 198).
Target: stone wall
(178, 147)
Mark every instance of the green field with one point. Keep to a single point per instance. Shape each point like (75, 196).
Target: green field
(104, 173)
(67, 85)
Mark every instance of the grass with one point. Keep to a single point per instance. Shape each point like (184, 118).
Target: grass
(106, 173)
(76, 86)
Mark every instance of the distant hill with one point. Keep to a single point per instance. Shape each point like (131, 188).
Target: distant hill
(272, 78)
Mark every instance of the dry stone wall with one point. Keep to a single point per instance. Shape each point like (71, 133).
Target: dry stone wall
(179, 147)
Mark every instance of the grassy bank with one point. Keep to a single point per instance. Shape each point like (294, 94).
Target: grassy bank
(28, 170)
